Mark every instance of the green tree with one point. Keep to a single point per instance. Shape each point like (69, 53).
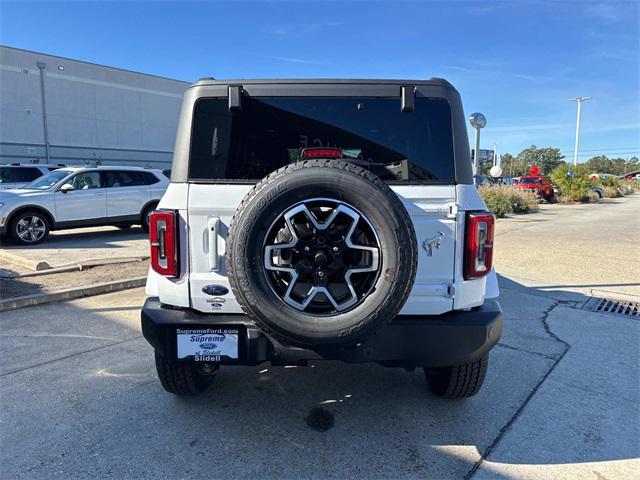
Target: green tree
(507, 164)
(614, 166)
(623, 166)
(513, 166)
(599, 164)
(547, 159)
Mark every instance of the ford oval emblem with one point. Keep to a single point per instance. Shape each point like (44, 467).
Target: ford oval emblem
(208, 346)
(216, 290)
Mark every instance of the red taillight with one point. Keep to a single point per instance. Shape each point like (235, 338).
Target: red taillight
(164, 243)
(478, 255)
(308, 153)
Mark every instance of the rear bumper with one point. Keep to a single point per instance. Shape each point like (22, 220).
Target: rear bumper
(453, 338)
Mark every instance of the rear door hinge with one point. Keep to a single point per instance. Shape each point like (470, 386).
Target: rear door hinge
(407, 98)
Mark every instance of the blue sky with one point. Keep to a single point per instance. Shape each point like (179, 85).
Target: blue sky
(517, 62)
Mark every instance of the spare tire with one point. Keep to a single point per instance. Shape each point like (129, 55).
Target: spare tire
(321, 252)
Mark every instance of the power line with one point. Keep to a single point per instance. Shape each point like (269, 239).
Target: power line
(614, 156)
(636, 149)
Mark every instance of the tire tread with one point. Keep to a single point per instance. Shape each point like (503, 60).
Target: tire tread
(458, 381)
(181, 379)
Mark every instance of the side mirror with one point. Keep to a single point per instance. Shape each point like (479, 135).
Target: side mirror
(67, 187)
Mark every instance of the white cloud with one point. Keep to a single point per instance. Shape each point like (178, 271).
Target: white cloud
(605, 12)
(292, 59)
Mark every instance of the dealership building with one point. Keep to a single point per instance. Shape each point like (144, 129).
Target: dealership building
(58, 110)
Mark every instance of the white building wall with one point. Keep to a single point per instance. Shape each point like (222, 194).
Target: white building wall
(94, 113)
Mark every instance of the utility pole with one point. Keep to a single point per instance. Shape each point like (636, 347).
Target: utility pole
(579, 101)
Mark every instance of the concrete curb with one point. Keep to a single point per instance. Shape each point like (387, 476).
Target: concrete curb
(70, 294)
(23, 262)
(34, 266)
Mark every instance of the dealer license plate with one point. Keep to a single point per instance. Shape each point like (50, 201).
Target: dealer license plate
(207, 344)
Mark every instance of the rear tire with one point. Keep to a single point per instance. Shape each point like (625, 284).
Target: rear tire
(459, 381)
(182, 379)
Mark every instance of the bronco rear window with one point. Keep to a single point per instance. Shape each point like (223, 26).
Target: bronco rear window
(374, 133)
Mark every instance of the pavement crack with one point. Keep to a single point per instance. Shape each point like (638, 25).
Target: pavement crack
(101, 347)
(523, 350)
(516, 415)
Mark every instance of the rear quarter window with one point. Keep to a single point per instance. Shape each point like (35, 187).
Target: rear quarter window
(269, 133)
(149, 178)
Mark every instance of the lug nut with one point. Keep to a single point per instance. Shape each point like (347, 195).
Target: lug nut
(321, 274)
(306, 249)
(335, 249)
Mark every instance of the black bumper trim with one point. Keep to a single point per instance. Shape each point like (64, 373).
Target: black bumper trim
(453, 338)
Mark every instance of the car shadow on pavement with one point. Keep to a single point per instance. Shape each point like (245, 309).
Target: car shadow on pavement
(11, 286)
(103, 412)
(85, 238)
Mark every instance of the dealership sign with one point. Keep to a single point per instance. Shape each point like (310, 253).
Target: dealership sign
(484, 155)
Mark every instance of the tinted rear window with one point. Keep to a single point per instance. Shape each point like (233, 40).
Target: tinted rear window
(129, 178)
(269, 133)
(26, 174)
(6, 175)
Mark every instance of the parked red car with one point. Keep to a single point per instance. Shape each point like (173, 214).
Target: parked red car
(538, 185)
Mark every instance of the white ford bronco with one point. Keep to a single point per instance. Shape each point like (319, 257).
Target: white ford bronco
(322, 219)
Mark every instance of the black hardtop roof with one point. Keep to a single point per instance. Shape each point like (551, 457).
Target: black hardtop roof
(441, 82)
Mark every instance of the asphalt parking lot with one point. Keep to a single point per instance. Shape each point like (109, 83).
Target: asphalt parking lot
(65, 247)
(79, 397)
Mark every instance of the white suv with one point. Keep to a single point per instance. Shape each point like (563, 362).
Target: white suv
(16, 175)
(80, 197)
(322, 219)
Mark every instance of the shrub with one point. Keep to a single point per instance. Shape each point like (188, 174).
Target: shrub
(611, 182)
(617, 184)
(593, 197)
(503, 199)
(573, 182)
(497, 200)
(628, 187)
(522, 200)
(633, 185)
(612, 192)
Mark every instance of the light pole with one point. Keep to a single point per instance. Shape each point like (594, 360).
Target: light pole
(579, 101)
(478, 121)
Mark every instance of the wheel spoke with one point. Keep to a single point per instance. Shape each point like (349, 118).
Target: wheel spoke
(320, 257)
(30, 228)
